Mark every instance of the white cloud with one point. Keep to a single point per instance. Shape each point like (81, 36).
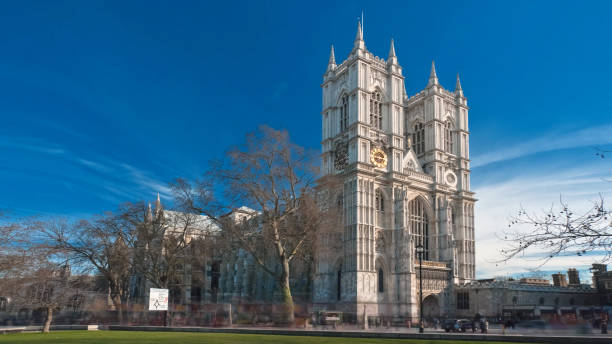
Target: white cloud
(535, 190)
(593, 136)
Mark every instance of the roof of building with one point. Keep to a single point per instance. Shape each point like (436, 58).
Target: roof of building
(517, 285)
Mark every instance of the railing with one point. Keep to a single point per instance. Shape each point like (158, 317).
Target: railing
(419, 176)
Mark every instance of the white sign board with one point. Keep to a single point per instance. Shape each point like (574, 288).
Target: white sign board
(158, 299)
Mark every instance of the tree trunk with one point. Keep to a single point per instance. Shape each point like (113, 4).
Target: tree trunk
(287, 298)
(48, 320)
(118, 307)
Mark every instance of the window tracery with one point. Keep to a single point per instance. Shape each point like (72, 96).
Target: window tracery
(344, 113)
(448, 137)
(419, 225)
(376, 110)
(418, 138)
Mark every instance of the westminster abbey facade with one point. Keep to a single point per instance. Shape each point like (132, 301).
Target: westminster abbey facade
(406, 170)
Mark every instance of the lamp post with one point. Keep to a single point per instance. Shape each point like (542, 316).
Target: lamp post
(419, 251)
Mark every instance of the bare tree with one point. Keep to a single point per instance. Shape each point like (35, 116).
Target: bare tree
(34, 275)
(560, 231)
(12, 250)
(165, 245)
(96, 245)
(263, 195)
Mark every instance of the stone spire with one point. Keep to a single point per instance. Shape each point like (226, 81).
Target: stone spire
(158, 205)
(433, 77)
(331, 65)
(458, 89)
(359, 43)
(149, 216)
(392, 58)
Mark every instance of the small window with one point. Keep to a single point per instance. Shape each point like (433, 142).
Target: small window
(380, 201)
(463, 300)
(339, 284)
(381, 281)
(542, 301)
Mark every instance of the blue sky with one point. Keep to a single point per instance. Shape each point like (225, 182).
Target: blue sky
(105, 102)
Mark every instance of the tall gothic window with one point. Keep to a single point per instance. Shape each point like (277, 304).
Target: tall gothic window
(381, 281)
(380, 201)
(376, 110)
(344, 113)
(448, 137)
(339, 284)
(418, 139)
(419, 225)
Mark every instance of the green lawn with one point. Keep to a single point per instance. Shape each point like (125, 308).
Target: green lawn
(125, 337)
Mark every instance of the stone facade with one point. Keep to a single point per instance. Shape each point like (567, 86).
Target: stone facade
(524, 300)
(406, 171)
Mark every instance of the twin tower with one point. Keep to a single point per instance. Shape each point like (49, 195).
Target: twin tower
(406, 171)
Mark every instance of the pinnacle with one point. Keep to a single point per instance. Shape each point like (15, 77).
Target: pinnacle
(433, 77)
(433, 70)
(458, 88)
(392, 49)
(359, 36)
(332, 57)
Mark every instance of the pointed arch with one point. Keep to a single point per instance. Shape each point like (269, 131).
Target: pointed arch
(382, 276)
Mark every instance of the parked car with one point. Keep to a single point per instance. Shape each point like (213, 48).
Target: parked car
(457, 325)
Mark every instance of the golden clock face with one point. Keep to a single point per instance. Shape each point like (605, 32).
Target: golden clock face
(378, 157)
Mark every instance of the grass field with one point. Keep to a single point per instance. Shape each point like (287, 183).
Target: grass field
(125, 337)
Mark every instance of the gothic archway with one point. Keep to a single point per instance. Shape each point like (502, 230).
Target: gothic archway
(431, 307)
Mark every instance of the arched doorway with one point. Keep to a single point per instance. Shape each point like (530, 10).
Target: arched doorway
(431, 308)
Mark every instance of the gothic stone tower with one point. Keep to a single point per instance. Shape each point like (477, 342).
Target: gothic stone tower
(405, 166)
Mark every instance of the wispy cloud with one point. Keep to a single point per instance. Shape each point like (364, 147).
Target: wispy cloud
(599, 135)
(536, 189)
(113, 181)
(31, 144)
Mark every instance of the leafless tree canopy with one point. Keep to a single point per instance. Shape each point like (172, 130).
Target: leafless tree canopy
(97, 245)
(263, 196)
(560, 231)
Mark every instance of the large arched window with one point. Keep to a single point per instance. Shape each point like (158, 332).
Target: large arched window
(448, 137)
(381, 280)
(418, 139)
(419, 225)
(380, 201)
(344, 113)
(376, 110)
